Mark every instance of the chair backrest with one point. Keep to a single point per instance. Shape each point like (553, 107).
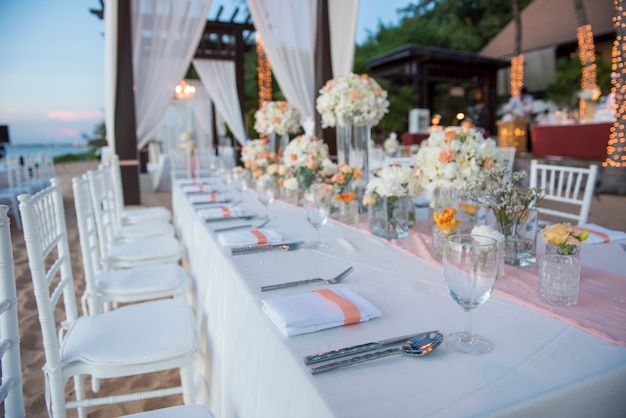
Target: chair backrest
(45, 235)
(10, 193)
(89, 244)
(506, 156)
(99, 192)
(11, 389)
(115, 176)
(570, 186)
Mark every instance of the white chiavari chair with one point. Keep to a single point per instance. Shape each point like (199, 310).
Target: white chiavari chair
(135, 215)
(11, 394)
(104, 205)
(132, 340)
(12, 189)
(569, 187)
(106, 288)
(506, 156)
(154, 250)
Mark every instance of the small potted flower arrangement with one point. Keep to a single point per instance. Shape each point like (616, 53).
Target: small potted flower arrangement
(277, 118)
(345, 194)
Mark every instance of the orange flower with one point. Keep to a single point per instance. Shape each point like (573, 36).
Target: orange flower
(345, 197)
(357, 173)
(451, 135)
(489, 163)
(468, 208)
(446, 156)
(338, 178)
(445, 220)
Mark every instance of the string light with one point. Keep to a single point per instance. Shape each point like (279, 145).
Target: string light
(517, 74)
(616, 147)
(587, 52)
(264, 72)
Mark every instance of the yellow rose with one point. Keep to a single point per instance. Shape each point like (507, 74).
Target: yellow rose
(556, 234)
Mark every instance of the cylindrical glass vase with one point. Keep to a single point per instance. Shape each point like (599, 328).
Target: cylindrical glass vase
(520, 238)
(389, 217)
(559, 277)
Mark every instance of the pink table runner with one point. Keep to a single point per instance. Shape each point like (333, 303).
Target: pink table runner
(601, 307)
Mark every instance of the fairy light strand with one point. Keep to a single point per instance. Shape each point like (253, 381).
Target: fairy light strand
(517, 74)
(587, 53)
(616, 147)
(264, 72)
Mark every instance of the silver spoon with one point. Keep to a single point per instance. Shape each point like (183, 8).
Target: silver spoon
(334, 280)
(414, 347)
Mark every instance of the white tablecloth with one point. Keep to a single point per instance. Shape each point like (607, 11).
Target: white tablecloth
(539, 365)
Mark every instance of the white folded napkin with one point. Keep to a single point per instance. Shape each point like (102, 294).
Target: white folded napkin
(601, 235)
(217, 212)
(194, 188)
(211, 197)
(250, 237)
(309, 312)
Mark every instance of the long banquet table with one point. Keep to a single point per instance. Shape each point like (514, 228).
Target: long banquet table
(540, 365)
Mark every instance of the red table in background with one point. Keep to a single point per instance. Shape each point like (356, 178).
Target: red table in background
(586, 141)
(410, 139)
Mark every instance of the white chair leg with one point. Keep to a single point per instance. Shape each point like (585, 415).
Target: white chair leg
(186, 379)
(79, 387)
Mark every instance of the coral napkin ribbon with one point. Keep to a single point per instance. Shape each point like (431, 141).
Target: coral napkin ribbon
(605, 237)
(212, 197)
(261, 239)
(225, 211)
(351, 313)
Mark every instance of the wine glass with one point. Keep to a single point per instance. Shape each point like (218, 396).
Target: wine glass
(266, 191)
(240, 182)
(470, 268)
(317, 200)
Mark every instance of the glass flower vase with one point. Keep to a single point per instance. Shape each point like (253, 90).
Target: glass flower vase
(389, 217)
(520, 238)
(439, 237)
(442, 199)
(278, 142)
(353, 146)
(559, 276)
(349, 212)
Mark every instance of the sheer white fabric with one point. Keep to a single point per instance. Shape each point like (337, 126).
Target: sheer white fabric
(342, 17)
(165, 36)
(110, 71)
(202, 107)
(221, 85)
(288, 30)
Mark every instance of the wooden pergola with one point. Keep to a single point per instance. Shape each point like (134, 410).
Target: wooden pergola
(423, 67)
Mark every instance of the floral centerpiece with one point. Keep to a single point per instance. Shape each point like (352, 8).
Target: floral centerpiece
(186, 141)
(451, 157)
(445, 224)
(345, 194)
(352, 99)
(256, 157)
(306, 158)
(565, 238)
(391, 144)
(278, 117)
(514, 209)
(387, 195)
(559, 268)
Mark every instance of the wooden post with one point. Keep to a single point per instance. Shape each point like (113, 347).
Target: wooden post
(125, 124)
(323, 71)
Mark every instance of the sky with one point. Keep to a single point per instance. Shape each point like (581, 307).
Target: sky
(52, 64)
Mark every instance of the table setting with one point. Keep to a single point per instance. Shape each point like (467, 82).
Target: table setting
(536, 360)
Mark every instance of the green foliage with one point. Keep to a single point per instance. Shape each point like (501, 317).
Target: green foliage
(568, 73)
(92, 154)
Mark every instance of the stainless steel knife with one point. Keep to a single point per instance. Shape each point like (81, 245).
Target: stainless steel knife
(361, 348)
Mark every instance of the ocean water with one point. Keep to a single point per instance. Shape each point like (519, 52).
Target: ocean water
(55, 149)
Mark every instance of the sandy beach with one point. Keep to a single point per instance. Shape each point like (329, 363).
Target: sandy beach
(606, 210)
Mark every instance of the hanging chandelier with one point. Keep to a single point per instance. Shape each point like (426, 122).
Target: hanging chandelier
(184, 90)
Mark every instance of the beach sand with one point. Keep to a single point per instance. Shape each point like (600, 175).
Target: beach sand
(606, 210)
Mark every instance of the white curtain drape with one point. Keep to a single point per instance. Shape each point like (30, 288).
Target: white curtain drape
(220, 81)
(342, 17)
(110, 69)
(203, 109)
(165, 35)
(288, 30)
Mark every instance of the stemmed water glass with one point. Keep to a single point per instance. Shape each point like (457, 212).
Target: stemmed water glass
(266, 191)
(470, 268)
(240, 182)
(317, 200)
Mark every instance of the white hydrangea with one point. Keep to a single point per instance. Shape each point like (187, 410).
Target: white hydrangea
(353, 97)
(391, 181)
(278, 117)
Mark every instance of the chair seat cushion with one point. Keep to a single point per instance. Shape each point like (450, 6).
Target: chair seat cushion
(186, 411)
(133, 232)
(145, 249)
(140, 215)
(144, 279)
(141, 333)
